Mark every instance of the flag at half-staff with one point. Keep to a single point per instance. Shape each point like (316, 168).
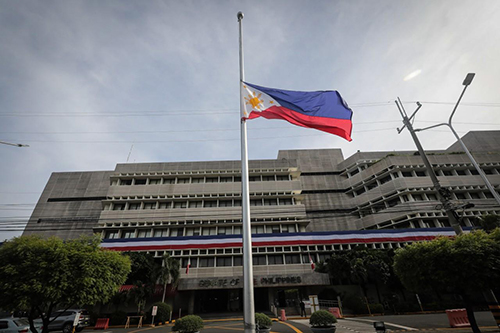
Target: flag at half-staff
(323, 110)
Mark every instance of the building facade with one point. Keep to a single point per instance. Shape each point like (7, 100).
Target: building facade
(304, 205)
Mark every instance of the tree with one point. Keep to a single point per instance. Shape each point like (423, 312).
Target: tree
(360, 266)
(489, 222)
(143, 278)
(169, 272)
(37, 275)
(466, 264)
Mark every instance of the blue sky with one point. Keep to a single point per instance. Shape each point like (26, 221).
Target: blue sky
(83, 81)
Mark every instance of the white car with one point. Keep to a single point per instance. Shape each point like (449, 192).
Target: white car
(65, 319)
(17, 325)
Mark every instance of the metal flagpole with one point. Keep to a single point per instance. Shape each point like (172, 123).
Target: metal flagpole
(248, 301)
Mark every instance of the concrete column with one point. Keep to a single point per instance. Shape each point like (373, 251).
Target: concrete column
(191, 302)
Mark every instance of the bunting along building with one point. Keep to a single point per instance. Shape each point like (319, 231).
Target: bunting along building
(304, 205)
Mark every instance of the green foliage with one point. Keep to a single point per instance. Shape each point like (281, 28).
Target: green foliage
(36, 274)
(322, 318)
(143, 266)
(262, 321)
(470, 262)
(489, 222)
(163, 312)
(376, 308)
(118, 318)
(355, 304)
(360, 266)
(188, 324)
(168, 272)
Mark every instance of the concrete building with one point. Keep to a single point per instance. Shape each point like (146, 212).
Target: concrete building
(304, 205)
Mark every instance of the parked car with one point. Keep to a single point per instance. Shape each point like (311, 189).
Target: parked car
(65, 320)
(17, 325)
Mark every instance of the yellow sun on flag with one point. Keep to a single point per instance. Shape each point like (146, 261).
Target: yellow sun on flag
(254, 100)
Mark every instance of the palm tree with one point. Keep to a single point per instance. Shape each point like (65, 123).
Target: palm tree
(169, 272)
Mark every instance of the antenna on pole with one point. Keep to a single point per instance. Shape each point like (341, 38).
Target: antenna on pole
(130, 152)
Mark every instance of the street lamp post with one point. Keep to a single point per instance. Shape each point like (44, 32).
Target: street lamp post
(466, 83)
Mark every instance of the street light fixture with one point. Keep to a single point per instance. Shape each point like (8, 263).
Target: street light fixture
(13, 144)
(466, 83)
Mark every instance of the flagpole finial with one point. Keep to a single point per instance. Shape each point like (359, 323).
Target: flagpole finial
(240, 16)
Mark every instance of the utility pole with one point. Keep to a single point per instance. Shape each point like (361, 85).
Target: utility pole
(444, 197)
(443, 193)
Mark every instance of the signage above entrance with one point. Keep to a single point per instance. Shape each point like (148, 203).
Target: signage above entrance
(303, 279)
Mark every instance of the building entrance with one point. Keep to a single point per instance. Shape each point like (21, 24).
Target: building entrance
(220, 300)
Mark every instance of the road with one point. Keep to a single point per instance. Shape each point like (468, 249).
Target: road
(427, 323)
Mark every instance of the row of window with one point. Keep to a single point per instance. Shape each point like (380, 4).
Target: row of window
(212, 203)
(375, 207)
(197, 180)
(419, 173)
(201, 231)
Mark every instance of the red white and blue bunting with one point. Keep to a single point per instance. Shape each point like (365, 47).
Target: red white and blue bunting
(287, 239)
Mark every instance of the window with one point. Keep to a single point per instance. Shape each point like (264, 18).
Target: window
(288, 228)
(237, 230)
(212, 180)
(474, 172)
(254, 178)
(125, 181)
(257, 202)
(259, 260)
(275, 229)
(154, 181)
(385, 179)
(195, 204)
(238, 261)
(285, 201)
(282, 178)
(180, 204)
(461, 172)
(270, 202)
(196, 180)
(140, 181)
(4, 324)
(460, 195)
(210, 203)
(224, 261)
(221, 231)
(176, 232)
(420, 173)
(192, 231)
(111, 234)
(360, 191)
(128, 234)
(407, 174)
(208, 231)
(447, 173)
(257, 229)
(165, 205)
(418, 197)
(182, 180)
(168, 180)
(226, 179)
(143, 233)
(192, 261)
(488, 171)
(237, 203)
(292, 259)
(268, 178)
(118, 206)
(134, 205)
(150, 205)
(275, 259)
(225, 203)
(207, 262)
(161, 232)
(488, 195)
(237, 179)
(474, 195)
(431, 196)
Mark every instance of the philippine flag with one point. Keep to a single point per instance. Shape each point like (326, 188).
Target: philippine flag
(311, 262)
(323, 110)
(188, 265)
